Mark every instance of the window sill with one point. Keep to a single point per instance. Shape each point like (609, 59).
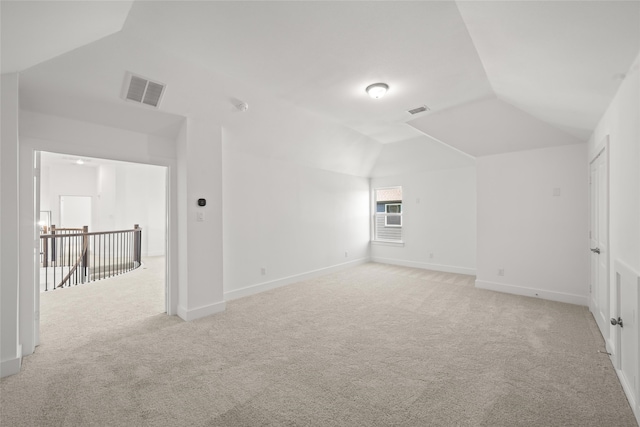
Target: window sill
(388, 243)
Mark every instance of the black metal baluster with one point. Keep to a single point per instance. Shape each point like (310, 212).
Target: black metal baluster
(72, 256)
(106, 255)
(129, 250)
(65, 243)
(54, 265)
(46, 269)
(104, 252)
(75, 256)
(120, 253)
(140, 247)
(100, 262)
(78, 262)
(110, 255)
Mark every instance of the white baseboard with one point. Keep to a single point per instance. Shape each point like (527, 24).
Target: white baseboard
(11, 366)
(200, 312)
(265, 286)
(426, 266)
(153, 254)
(531, 292)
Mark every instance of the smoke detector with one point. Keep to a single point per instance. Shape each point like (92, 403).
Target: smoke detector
(142, 90)
(242, 106)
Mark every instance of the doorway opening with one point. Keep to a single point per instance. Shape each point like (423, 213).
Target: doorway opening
(119, 281)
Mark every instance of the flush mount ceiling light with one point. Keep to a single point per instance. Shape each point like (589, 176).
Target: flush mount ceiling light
(377, 90)
(80, 162)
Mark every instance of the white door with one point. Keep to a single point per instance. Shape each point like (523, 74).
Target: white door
(626, 334)
(599, 238)
(75, 212)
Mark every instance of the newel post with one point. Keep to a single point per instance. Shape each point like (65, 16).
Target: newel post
(44, 244)
(85, 257)
(137, 243)
(53, 243)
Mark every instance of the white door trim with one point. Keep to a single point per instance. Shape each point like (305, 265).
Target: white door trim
(29, 280)
(603, 323)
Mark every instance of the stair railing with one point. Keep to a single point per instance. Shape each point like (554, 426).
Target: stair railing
(75, 256)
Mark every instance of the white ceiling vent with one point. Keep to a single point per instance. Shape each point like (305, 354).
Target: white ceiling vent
(142, 90)
(418, 109)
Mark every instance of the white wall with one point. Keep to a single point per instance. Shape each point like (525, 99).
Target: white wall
(107, 201)
(154, 200)
(10, 350)
(621, 123)
(140, 198)
(540, 240)
(438, 221)
(122, 194)
(293, 221)
(294, 197)
(68, 180)
(199, 155)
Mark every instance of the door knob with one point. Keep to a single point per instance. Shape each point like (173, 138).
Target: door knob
(617, 321)
(596, 250)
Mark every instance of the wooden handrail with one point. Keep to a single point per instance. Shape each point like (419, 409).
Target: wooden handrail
(87, 234)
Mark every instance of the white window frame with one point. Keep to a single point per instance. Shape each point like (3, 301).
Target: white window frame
(375, 215)
(392, 214)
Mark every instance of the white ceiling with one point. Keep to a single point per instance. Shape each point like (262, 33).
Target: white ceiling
(491, 126)
(556, 60)
(35, 31)
(493, 73)
(66, 160)
(322, 55)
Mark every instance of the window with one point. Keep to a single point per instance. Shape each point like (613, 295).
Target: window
(394, 215)
(388, 214)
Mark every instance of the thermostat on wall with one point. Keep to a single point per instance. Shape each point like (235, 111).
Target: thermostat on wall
(202, 202)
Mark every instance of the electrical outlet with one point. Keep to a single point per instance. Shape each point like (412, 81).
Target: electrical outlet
(431, 255)
(501, 272)
(263, 270)
(346, 254)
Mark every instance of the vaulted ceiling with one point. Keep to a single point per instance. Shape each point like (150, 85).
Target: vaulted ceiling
(497, 76)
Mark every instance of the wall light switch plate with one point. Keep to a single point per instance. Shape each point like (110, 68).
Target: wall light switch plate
(200, 216)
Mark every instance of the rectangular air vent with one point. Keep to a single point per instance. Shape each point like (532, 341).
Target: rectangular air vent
(419, 110)
(142, 90)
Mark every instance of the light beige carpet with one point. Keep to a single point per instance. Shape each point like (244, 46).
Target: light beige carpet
(374, 345)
